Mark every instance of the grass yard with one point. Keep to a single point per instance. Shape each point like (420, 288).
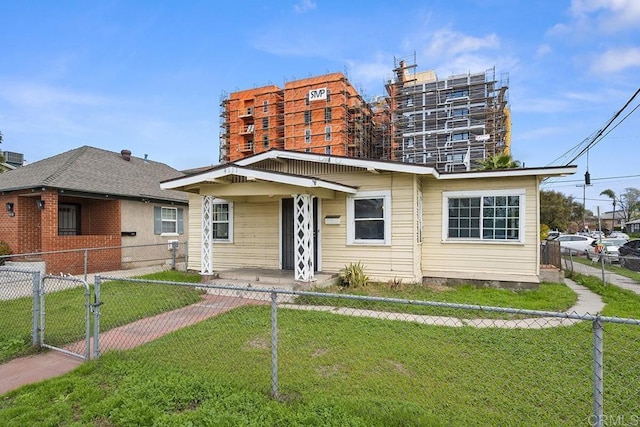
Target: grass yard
(344, 371)
(548, 297)
(613, 268)
(65, 311)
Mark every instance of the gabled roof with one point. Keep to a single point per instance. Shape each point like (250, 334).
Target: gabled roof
(220, 173)
(395, 166)
(91, 170)
(248, 168)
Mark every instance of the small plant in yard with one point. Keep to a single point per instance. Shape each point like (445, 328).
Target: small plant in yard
(396, 284)
(352, 276)
(4, 250)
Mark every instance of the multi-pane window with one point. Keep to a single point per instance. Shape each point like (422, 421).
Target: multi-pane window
(485, 217)
(307, 117)
(169, 220)
(327, 133)
(265, 123)
(327, 149)
(221, 220)
(265, 141)
(327, 114)
(265, 106)
(307, 136)
(368, 218)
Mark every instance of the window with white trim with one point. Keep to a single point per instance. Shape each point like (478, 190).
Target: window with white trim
(169, 220)
(222, 220)
(307, 136)
(369, 218)
(490, 216)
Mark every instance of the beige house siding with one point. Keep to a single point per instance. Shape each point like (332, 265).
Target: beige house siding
(255, 236)
(482, 260)
(382, 262)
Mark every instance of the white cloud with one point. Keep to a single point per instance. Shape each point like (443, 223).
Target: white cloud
(615, 60)
(451, 43)
(543, 50)
(39, 96)
(609, 15)
(304, 6)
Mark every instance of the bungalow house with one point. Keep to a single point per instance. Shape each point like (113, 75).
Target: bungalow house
(89, 198)
(633, 226)
(309, 212)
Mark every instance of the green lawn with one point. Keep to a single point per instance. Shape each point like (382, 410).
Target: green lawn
(344, 371)
(65, 311)
(548, 297)
(613, 268)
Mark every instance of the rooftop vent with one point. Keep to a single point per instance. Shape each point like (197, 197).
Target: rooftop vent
(126, 154)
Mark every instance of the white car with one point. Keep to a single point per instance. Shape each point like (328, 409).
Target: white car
(608, 248)
(575, 243)
(619, 235)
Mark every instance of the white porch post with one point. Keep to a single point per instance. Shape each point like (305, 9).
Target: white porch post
(206, 248)
(303, 239)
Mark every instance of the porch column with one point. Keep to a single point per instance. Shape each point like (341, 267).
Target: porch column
(303, 239)
(206, 247)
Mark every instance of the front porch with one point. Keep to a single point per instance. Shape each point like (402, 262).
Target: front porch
(268, 278)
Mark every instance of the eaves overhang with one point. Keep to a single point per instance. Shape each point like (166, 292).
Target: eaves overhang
(219, 175)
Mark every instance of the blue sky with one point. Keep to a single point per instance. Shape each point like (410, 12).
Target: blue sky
(148, 75)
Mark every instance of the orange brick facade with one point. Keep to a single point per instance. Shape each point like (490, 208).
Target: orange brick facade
(323, 115)
(32, 230)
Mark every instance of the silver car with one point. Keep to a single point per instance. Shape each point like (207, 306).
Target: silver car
(575, 243)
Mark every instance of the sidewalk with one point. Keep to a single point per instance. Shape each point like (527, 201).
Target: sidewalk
(614, 279)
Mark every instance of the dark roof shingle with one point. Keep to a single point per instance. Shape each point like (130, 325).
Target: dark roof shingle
(93, 170)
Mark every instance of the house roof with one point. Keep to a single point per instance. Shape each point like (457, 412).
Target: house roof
(90, 170)
(247, 169)
(221, 174)
(395, 166)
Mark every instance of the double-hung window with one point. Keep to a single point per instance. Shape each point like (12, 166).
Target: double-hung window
(369, 218)
(486, 216)
(222, 220)
(168, 220)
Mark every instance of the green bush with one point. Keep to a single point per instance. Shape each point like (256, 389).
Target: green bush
(4, 250)
(352, 276)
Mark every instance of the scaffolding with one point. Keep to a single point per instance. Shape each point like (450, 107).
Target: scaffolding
(251, 121)
(449, 124)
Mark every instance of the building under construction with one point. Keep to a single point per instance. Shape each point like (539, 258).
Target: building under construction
(322, 114)
(449, 124)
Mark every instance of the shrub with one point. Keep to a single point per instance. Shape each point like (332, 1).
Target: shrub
(352, 276)
(4, 250)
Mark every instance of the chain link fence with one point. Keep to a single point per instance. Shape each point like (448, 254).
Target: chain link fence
(506, 366)
(466, 364)
(117, 260)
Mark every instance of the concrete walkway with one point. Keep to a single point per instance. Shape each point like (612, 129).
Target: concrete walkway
(32, 369)
(615, 279)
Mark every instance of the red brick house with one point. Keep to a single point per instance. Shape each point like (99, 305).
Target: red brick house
(89, 198)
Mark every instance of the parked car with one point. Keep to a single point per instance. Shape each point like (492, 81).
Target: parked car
(607, 248)
(574, 243)
(553, 234)
(630, 255)
(618, 235)
(596, 235)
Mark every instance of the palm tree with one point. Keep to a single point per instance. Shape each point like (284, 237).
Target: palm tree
(612, 195)
(498, 161)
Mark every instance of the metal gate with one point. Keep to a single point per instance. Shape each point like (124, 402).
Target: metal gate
(65, 322)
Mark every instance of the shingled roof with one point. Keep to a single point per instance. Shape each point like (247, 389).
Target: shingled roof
(95, 171)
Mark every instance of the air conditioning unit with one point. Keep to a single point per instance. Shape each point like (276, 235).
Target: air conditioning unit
(170, 244)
